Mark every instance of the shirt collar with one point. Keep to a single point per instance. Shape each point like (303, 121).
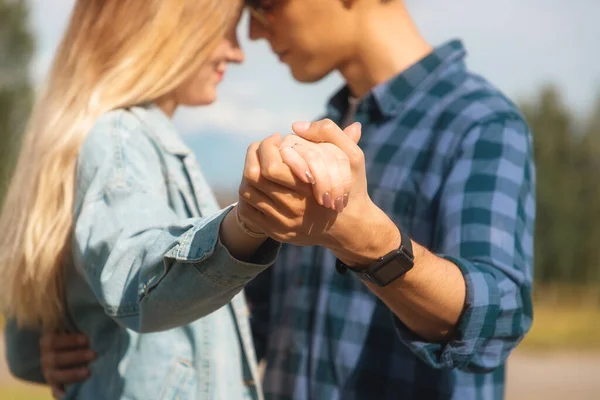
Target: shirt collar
(388, 98)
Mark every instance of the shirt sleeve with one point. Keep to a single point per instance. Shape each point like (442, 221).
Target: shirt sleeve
(485, 226)
(150, 269)
(23, 352)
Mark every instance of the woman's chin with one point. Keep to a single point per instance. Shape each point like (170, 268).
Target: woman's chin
(205, 99)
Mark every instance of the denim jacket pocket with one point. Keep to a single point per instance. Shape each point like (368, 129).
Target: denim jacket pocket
(182, 200)
(180, 383)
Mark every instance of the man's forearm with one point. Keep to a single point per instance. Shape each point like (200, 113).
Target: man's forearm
(429, 298)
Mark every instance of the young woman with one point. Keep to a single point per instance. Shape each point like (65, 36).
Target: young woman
(109, 228)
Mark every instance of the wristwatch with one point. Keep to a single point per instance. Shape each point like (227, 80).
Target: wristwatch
(386, 269)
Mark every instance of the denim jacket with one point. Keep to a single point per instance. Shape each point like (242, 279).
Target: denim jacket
(148, 280)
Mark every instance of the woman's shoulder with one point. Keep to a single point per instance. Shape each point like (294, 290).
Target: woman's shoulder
(118, 147)
(119, 135)
(114, 129)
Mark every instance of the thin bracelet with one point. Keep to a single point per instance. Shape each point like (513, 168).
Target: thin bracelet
(245, 228)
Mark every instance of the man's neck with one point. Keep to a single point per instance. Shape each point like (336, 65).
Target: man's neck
(389, 44)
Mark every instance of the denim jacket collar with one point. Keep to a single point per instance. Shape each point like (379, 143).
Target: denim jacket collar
(162, 128)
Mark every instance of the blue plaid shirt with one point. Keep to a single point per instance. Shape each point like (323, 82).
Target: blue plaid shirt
(449, 159)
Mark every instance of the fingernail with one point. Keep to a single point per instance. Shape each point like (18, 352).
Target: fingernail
(81, 340)
(358, 124)
(345, 199)
(90, 355)
(327, 200)
(311, 178)
(339, 204)
(301, 126)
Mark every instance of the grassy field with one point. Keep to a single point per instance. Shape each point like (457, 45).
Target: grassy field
(564, 328)
(565, 318)
(17, 391)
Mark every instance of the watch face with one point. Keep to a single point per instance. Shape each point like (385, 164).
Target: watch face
(387, 275)
(391, 271)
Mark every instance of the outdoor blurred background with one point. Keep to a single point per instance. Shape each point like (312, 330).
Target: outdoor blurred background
(544, 54)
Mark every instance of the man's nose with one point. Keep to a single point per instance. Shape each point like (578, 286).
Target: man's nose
(236, 55)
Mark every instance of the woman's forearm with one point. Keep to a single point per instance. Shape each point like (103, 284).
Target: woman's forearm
(241, 245)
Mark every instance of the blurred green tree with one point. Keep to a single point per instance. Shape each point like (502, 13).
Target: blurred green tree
(567, 155)
(16, 51)
(588, 174)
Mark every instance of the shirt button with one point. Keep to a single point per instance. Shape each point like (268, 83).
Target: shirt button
(142, 290)
(249, 382)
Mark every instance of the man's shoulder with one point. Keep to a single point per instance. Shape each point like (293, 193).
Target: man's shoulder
(462, 108)
(463, 99)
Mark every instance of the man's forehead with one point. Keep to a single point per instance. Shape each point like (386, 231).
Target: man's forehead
(255, 11)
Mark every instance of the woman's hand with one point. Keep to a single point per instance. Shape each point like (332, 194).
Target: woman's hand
(322, 169)
(275, 201)
(298, 167)
(323, 165)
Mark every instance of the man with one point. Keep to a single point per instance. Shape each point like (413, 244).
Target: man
(449, 161)
(450, 208)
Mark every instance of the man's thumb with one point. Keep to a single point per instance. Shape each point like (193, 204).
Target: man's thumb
(354, 131)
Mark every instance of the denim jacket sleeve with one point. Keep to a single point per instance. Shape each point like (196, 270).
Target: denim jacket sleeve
(23, 352)
(150, 269)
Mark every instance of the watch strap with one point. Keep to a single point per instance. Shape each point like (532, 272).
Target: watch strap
(372, 273)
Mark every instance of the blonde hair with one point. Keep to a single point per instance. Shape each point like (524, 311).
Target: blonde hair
(115, 53)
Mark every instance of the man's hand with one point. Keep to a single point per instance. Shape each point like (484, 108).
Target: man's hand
(323, 165)
(64, 360)
(272, 200)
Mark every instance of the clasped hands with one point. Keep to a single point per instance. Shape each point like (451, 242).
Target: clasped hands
(309, 188)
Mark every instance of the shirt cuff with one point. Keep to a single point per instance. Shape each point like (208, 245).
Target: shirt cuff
(476, 323)
(203, 242)
(226, 270)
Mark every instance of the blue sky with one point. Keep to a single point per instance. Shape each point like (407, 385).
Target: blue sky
(519, 45)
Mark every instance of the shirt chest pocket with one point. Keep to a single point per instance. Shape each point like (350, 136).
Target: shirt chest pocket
(405, 203)
(398, 203)
(393, 189)
(180, 382)
(182, 200)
